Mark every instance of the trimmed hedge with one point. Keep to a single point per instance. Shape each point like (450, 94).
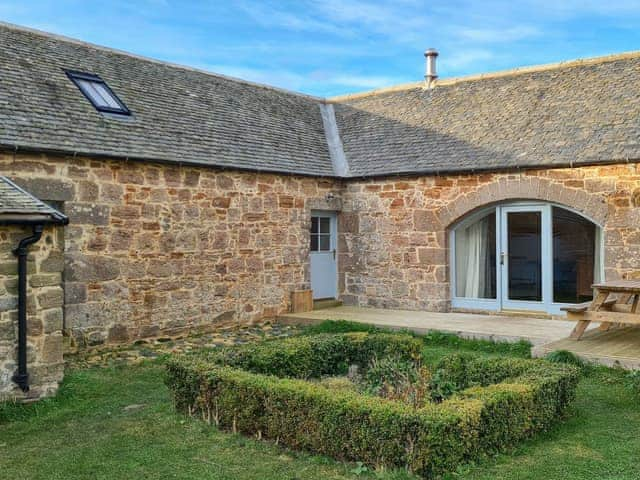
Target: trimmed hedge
(519, 396)
(501, 401)
(317, 355)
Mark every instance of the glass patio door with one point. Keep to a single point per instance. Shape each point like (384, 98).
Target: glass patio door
(524, 255)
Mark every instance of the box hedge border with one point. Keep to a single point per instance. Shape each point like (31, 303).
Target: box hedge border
(501, 401)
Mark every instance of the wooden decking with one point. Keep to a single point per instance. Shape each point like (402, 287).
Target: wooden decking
(616, 347)
(491, 327)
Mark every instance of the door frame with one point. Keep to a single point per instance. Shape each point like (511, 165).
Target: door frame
(547, 305)
(333, 249)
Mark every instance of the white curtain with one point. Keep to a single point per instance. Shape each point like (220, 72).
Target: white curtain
(471, 259)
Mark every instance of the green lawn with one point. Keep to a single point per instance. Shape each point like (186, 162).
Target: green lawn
(87, 431)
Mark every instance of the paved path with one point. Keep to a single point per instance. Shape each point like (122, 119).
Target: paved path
(491, 327)
(142, 350)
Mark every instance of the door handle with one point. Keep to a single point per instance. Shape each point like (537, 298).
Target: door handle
(334, 253)
(502, 258)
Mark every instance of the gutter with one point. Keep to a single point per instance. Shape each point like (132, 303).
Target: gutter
(488, 169)
(37, 223)
(21, 378)
(15, 149)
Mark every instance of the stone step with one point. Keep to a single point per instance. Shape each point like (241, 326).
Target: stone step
(326, 303)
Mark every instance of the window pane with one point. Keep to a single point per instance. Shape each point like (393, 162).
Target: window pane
(99, 94)
(574, 257)
(524, 232)
(314, 224)
(475, 247)
(314, 243)
(96, 98)
(325, 243)
(325, 225)
(106, 95)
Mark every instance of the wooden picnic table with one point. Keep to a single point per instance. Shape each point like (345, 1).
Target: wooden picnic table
(614, 302)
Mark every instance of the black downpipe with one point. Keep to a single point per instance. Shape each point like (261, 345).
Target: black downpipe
(21, 251)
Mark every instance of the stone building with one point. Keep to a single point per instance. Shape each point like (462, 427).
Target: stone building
(198, 201)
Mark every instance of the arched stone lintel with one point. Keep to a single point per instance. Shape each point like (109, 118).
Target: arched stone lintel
(591, 205)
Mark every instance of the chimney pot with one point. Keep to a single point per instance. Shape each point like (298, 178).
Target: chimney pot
(430, 74)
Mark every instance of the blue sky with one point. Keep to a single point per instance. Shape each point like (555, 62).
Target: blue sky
(330, 47)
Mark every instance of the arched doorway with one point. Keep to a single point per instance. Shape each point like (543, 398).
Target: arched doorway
(524, 256)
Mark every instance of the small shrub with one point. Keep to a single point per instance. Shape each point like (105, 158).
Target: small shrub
(395, 378)
(632, 381)
(440, 387)
(565, 356)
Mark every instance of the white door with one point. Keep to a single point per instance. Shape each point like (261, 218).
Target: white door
(525, 257)
(324, 240)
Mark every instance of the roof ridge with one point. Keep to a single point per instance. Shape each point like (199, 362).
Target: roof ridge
(490, 75)
(76, 41)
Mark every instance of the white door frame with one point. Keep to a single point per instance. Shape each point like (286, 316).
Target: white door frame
(323, 264)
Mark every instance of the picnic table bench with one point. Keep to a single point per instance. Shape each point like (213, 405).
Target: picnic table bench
(614, 303)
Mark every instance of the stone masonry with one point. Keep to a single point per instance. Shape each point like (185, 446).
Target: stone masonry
(155, 250)
(393, 239)
(44, 312)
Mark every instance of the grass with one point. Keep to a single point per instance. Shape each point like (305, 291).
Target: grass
(118, 423)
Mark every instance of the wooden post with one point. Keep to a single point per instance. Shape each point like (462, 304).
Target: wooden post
(301, 301)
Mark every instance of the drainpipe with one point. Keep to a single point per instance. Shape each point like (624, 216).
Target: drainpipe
(21, 251)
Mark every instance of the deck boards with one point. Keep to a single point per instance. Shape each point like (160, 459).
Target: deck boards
(614, 347)
(468, 325)
(617, 346)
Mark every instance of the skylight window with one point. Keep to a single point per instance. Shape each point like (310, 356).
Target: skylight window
(98, 93)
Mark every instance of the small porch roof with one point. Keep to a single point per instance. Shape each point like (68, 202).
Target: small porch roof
(19, 207)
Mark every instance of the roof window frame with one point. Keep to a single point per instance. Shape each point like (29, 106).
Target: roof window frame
(75, 76)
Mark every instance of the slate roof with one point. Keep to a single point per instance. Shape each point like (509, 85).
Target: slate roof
(18, 204)
(179, 114)
(581, 112)
(584, 112)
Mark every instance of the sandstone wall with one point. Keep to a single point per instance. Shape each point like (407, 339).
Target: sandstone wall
(159, 250)
(44, 312)
(394, 232)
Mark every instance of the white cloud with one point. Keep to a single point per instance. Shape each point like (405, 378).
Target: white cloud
(362, 81)
(576, 8)
(400, 21)
(464, 58)
(314, 81)
(495, 35)
(270, 16)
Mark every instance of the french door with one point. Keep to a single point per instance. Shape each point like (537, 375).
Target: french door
(524, 256)
(525, 260)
